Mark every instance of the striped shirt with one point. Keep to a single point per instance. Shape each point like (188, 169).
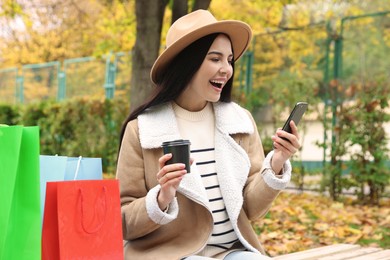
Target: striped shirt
(198, 127)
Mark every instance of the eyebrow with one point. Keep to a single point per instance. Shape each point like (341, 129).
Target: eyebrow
(218, 53)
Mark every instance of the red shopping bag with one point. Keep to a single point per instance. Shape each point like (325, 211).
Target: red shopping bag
(82, 220)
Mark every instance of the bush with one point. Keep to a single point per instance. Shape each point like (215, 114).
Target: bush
(8, 114)
(80, 126)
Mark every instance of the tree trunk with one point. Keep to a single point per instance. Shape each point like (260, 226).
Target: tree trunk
(201, 4)
(179, 8)
(149, 15)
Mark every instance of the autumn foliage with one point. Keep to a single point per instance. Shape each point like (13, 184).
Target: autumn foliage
(298, 222)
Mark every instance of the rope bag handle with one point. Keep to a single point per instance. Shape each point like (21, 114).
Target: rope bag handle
(104, 200)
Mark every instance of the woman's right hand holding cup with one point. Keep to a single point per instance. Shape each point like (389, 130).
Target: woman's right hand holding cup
(169, 177)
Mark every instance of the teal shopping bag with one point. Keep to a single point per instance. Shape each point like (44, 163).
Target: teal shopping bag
(20, 227)
(63, 168)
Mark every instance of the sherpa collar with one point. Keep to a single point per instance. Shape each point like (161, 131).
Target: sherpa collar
(158, 124)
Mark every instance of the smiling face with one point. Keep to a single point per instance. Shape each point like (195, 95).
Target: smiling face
(208, 82)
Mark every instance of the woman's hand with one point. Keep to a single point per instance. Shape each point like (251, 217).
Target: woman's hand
(169, 177)
(284, 149)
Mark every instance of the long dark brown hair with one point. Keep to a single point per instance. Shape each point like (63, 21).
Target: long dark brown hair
(174, 79)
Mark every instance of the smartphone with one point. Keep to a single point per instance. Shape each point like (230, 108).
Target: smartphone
(296, 115)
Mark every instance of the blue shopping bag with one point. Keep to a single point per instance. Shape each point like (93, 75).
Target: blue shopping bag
(63, 168)
(83, 168)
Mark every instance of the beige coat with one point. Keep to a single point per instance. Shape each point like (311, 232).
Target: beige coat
(247, 183)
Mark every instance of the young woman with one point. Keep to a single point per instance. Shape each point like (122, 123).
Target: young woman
(205, 214)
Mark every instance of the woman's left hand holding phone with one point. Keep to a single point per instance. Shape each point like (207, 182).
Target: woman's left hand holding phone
(169, 177)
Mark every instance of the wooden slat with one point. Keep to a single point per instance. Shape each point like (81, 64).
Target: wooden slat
(352, 253)
(381, 255)
(315, 253)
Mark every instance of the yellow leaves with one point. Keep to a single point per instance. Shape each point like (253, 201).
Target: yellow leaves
(321, 226)
(290, 211)
(337, 206)
(353, 235)
(378, 236)
(272, 235)
(302, 221)
(67, 31)
(10, 8)
(367, 230)
(386, 221)
(259, 14)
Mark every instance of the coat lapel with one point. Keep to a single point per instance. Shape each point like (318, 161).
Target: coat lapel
(234, 169)
(157, 125)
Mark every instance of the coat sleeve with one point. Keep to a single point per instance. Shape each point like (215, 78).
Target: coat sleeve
(140, 212)
(262, 186)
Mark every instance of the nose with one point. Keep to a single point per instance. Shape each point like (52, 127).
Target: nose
(226, 68)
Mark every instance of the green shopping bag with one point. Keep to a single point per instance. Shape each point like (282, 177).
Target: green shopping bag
(20, 221)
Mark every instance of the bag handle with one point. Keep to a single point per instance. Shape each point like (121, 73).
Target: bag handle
(77, 168)
(86, 230)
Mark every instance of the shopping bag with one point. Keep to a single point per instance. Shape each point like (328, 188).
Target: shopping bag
(20, 229)
(82, 220)
(60, 168)
(83, 168)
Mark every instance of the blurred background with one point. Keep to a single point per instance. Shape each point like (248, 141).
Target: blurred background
(76, 69)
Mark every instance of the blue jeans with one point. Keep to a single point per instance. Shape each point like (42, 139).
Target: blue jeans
(236, 255)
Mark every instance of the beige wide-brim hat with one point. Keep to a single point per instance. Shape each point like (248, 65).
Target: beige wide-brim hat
(194, 26)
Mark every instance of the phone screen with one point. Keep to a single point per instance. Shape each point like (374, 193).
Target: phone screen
(296, 115)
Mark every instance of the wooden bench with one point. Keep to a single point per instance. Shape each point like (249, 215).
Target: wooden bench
(337, 252)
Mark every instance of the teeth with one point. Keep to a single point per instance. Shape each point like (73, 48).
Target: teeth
(217, 82)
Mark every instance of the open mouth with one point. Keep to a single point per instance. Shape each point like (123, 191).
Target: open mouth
(217, 84)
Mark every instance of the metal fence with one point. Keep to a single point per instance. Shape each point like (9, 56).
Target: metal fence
(86, 76)
(9, 90)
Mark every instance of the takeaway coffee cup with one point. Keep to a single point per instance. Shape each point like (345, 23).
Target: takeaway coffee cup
(180, 150)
